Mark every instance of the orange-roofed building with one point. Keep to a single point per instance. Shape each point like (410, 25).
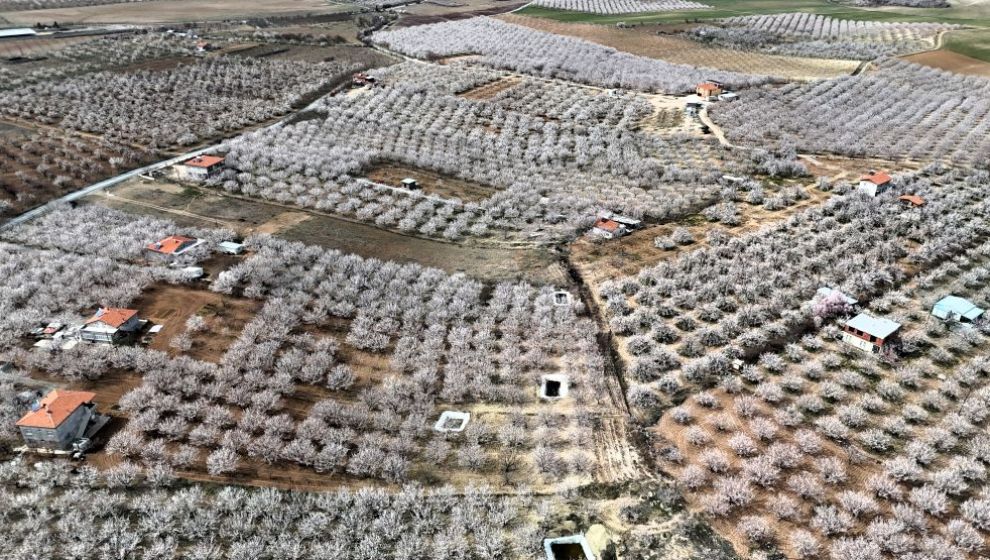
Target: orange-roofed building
(609, 229)
(875, 183)
(58, 419)
(109, 324)
(172, 245)
(708, 90)
(200, 168)
(911, 200)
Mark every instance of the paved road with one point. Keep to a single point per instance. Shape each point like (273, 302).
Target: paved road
(96, 187)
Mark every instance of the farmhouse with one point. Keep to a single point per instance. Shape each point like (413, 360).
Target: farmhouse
(708, 91)
(608, 229)
(110, 324)
(59, 419)
(199, 168)
(911, 200)
(172, 246)
(875, 183)
(956, 309)
(625, 221)
(869, 333)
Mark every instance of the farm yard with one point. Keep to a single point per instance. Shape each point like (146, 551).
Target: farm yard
(591, 280)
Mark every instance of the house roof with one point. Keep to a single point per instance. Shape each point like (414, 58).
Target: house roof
(959, 306)
(203, 161)
(607, 225)
(912, 198)
(17, 32)
(708, 86)
(170, 245)
(877, 178)
(876, 326)
(113, 316)
(54, 408)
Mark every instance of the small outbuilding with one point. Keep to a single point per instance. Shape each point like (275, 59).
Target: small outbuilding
(709, 91)
(110, 324)
(957, 309)
(60, 419)
(410, 184)
(230, 247)
(869, 333)
(875, 183)
(572, 547)
(911, 200)
(17, 33)
(629, 223)
(199, 168)
(172, 246)
(452, 421)
(608, 229)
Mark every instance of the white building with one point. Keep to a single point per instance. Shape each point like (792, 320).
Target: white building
(199, 168)
(869, 333)
(110, 324)
(875, 183)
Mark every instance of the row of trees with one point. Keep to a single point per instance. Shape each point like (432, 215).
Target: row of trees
(180, 106)
(621, 6)
(518, 48)
(817, 26)
(563, 172)
(900, 110)
(152, 519)
(732, 299)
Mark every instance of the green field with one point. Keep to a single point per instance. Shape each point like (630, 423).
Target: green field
(975, 13)
(974, 43)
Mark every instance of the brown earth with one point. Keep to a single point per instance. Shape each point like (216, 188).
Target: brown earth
(199, 207)
(170, 306)
(644, 41)
(953, 62)
(431, 182)
(491, 89)
(422, 14)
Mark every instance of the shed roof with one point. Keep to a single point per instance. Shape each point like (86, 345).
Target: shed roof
(708, 86)
(170, 245)
(912, 198)
(877, 178)
(203, 161)
(876, 326)
(959, 306)
(18, 32)
(54, 408)
(113, 316)
(607, 225)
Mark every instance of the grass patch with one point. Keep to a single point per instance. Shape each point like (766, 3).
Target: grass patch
(974, 43)
(975, 15)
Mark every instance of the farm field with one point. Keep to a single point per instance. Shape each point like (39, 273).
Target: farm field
(169, 11)
(676, 280)
(975, 13)
(645, 41)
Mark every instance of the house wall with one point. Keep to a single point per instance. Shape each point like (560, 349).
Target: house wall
(858, 342)
(60, 437)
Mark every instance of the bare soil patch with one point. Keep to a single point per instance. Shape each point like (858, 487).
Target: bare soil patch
(953, 62)
(644, 41)
(431, 182)
(198, 207)
(170, 306)
(422, 14)
(489, 90)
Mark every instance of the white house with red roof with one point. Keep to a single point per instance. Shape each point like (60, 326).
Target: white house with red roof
(109, 324)
(60, 418)
(199, 168)
(608, 228)
(875, 183)
(172, 246)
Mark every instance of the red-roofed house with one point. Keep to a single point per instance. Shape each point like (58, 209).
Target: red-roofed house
(58, 419)
(109, 324)
(199, 168)
(875, 182)
(708, 91)
(609, 229)
(172, 246)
